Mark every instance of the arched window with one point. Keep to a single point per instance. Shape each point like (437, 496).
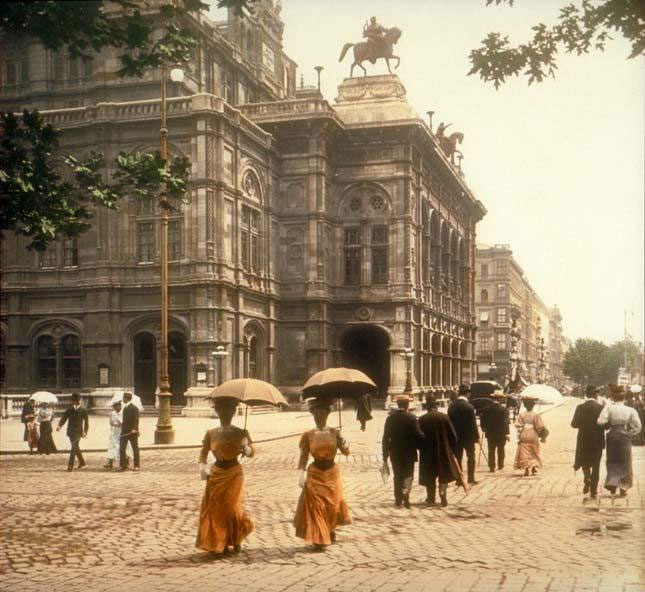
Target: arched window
(484, 296)
(253, 357)
(47, 362)
(71, 363)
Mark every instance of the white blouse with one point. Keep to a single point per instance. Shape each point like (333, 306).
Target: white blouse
(623, 418)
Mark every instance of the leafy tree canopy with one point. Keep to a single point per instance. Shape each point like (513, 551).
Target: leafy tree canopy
(579, 30)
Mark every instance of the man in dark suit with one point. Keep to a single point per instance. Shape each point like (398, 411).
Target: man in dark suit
(129, 432)
(401, 439)
(462, 415)
(591, 440)
(494, 423)
(437, 459)
(78, 424)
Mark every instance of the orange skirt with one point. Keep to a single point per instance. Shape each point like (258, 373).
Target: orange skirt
(321, 507)
(222, 521)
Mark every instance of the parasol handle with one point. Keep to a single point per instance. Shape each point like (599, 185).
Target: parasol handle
(246, 413)
(340, 417)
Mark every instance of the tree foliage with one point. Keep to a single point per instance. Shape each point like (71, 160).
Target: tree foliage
(589, 362)
(37, 199)
(579, 30)
(44, 197)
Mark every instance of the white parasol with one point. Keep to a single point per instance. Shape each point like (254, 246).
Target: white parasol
(44, 397)
(136, 400)
(545, 394)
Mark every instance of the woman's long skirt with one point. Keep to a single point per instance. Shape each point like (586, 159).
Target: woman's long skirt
(619, 460)
(222, 521)
(528, 451)
(46, 441)
(321, 507)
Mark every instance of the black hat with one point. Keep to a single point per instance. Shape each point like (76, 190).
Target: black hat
(591, 390)
(431, 402)
(316, 402)
(76, 397)
(464, 389)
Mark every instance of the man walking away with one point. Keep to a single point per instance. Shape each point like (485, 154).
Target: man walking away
(462, 415)
(494, 423)
(78, 424)
(437, 459)
(590, 441)
(401, 439)
(129, 432)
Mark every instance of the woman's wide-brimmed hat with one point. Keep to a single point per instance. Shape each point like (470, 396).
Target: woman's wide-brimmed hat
(530, 399)
(317, 402)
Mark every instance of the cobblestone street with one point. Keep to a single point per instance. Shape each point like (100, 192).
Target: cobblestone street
(92, 530)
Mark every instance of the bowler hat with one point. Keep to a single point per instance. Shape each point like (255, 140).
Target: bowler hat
(464, 389)
(591, 390)
(431, 402)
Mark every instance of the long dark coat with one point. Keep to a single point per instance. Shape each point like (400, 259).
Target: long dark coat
(401, 438)
(437, 449)
(462, 415)
(591, 436)
(494, 422)
(363, 408)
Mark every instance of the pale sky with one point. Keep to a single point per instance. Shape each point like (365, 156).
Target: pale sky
(558, 165)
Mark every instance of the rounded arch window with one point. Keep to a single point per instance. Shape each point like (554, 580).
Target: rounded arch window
(355, 205)
(47, 361)
(251, 185)
(377, 204)
(254, 357)
(71, 361)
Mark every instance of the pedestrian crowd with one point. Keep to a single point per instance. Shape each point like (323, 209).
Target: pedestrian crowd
(437, 441)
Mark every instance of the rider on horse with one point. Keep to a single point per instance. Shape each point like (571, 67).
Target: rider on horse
(375, 33)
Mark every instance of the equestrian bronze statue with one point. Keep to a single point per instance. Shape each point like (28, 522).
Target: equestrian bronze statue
(378, 44)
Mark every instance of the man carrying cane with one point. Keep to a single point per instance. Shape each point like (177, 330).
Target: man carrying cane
(129, 432)
(78, 424)
(462, 415)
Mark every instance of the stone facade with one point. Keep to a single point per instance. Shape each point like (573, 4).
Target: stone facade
(502, 292)
(313, 235)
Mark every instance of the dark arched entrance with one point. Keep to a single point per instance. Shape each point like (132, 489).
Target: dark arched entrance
(177, 367)
(366, 347)
(145, 367)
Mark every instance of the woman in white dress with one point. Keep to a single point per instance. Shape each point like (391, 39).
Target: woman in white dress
(623, 423)
(116, 419)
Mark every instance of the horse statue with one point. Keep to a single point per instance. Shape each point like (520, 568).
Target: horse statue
(372, 50)
(449, 143)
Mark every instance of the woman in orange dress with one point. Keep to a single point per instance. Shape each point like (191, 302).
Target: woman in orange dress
(530, 429)
(321, 507)
(222, 521)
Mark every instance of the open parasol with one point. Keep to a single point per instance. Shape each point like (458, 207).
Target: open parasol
(136, 400)
(545, 394)
(249, 391)
(44, 397)
(338, 383)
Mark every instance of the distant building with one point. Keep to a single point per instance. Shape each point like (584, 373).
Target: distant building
(502, 293)
(314, 234)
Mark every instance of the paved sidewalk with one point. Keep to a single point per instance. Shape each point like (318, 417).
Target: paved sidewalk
(101, 531)
(188, 431)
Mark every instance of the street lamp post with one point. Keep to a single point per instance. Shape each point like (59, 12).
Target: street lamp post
(219, 354)
(407, 354)
(164, 434)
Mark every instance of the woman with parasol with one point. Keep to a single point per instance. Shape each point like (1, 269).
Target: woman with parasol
(530, 430)
(321, 506)
(222, 520)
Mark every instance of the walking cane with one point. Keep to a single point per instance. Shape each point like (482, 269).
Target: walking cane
(340, 417)
(246, 413)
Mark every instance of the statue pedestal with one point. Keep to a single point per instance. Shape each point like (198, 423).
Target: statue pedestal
(197, 402)
(373, 99)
